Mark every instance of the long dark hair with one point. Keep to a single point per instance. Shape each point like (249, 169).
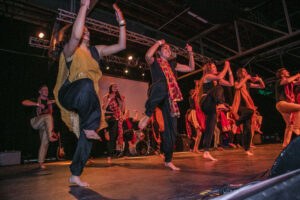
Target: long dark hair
(117, 92)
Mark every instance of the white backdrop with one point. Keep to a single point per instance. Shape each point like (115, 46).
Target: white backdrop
(135, 92)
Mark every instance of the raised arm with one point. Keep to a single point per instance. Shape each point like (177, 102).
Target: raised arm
(150, 53)
(106, 50)
(213, 77)
(290, 79)
(229, 83)
(259, 85)
(77, 30)
(27, 102)
(191, 67)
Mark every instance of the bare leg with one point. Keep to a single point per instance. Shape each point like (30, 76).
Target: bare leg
(197, 141)
(172, 166)
(77, 181)
(207, 155)
(143, 122)
(249, 153)
(42, 166)
(108, 160)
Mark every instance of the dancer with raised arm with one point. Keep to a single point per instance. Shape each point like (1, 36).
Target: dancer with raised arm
(164, 93)
(212, 98)
(285, 98)
(113, 106)
(77, 89)
(42, 120)
(243, 106)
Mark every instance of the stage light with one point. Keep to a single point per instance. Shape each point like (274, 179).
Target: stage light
(130, 57)
(41, 35)
(107, 67)
(140, 66)
(143, 74)
(126, 71)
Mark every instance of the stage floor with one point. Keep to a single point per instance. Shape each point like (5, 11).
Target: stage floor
(136, 177)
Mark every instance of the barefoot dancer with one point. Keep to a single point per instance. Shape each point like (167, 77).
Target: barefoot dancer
(285, 99)
(212, 98)
(77, 90)
(164, 93)
(243, 106)
(42, 121)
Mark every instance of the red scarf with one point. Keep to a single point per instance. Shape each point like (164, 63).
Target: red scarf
(200, 116)
(174, 93)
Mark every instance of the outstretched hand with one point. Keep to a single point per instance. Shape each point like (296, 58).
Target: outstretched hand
(189, 48)
(85, 3)
(119, 14)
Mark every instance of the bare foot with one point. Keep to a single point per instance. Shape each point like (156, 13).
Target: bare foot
(77, 181)
(220, 148)
(232, 145)
(196, 151)
(239, 146)
(172, 166)
(162, 156)
(91, 134)
(42, 166)
(108, 160)
(249, 153)
(143, 122)
(90, 160)
(207, 155)
(252, 146)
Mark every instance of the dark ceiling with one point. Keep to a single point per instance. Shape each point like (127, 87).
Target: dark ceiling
(268, 30)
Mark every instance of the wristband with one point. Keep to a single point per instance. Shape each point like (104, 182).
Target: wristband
(159, 42)
(122, 23)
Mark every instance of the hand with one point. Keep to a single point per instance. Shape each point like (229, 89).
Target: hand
(85, 3)
(248, 77)
(112, 96)
(41, 106)
(189, 48)
(161, 42)
(51, 101)
(119, 14)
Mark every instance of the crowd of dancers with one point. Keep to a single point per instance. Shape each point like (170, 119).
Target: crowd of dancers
(77, 95)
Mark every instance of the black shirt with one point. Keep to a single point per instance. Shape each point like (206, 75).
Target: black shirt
(157, 73)
(208, 86)
(279, 92)
(33, 112)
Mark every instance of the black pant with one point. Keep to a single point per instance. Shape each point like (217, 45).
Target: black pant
(128, 136)
(245, 119)
(113, 131)
(158, 97)
(80, 96)
(214, 97)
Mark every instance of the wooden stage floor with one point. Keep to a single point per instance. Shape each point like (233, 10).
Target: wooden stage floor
(136, 177)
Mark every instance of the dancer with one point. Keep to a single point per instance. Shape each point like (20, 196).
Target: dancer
(243, 106)
(164, 93)
(42, 121)
(195, 119)
(114, 106)
(77, 90)
(212, 98)
(129, 125)
(285, 101)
